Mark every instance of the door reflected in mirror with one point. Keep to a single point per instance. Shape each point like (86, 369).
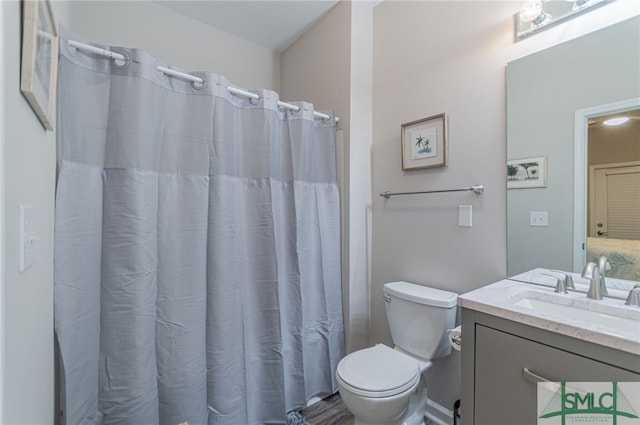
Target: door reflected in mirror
(613, 214)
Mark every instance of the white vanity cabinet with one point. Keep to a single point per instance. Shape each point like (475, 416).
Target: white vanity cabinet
(501, 360)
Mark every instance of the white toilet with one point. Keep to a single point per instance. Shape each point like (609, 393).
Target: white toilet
(384, 386)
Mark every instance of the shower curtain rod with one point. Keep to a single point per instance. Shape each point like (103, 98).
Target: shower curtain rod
(172, 72)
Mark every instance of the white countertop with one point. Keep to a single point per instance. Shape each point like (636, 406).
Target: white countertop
(497, 299)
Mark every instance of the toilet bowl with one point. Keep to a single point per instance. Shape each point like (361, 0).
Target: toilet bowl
(381, 385)
(375, 384)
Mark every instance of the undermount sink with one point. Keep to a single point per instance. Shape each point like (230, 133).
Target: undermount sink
(616, 320)
(607, 322)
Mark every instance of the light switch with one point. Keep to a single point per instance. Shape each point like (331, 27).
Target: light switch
(464, 215)
(28, 237)
(538, 218)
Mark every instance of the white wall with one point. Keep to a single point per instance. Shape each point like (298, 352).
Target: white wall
(180, 41)
(360, 147)
(441, 56)
(2, 189)
(28, 177)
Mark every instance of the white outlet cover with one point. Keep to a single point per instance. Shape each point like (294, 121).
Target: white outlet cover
(464, 215)
(538, 218)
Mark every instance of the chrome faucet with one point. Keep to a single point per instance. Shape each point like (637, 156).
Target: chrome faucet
(567, 278)
(564, 281)
(603, 265)
(591, 271)
(634, 296)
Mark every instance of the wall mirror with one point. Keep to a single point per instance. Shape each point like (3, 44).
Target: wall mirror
(557, 100)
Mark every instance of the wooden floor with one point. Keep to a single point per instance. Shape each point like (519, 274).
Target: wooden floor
(330, 411)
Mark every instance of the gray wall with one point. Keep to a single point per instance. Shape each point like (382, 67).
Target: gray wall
(543, 92)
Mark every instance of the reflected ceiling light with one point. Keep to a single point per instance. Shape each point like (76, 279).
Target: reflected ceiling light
(615, 121)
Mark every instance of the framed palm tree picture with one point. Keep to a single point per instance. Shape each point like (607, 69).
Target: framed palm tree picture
(527, 172)
(424, 143)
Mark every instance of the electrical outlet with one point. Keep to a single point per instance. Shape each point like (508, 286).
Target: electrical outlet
(538, 218)
(464, 215)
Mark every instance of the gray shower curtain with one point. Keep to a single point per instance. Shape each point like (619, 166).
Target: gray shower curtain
(197, 249)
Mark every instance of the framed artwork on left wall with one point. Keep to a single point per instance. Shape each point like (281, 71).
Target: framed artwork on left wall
(39, 59)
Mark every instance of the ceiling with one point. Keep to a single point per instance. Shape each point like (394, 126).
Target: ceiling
(274, 24)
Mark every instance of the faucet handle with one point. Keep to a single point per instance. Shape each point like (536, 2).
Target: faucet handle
(634, 296)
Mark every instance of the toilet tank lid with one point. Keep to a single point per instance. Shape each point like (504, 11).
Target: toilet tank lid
(422, 294)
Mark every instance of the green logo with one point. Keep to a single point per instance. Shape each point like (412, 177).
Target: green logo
(566, 402)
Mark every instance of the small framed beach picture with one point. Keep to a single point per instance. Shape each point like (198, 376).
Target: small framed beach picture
(424, 143)
(527, 172)
(39, 60)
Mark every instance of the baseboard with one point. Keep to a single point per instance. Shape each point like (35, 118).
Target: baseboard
(438, 414)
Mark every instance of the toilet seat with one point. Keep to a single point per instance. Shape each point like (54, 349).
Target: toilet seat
(378, 371)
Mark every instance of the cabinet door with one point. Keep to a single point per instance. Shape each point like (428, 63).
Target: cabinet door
(502, 394)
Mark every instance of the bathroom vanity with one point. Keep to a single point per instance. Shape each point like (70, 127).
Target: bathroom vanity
(511, 342)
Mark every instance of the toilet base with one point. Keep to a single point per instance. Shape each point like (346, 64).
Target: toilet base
(377, 411)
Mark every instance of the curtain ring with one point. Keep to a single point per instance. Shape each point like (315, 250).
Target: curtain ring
(199, 86)
(120, 63)
(253, 101)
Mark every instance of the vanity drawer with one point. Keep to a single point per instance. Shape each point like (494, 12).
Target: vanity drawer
(502, 392)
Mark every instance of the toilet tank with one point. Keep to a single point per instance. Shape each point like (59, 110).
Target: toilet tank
(419, 317)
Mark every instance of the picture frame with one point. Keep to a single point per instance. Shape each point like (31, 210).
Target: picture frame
(424, 143)
(528, 172)
(38, 77)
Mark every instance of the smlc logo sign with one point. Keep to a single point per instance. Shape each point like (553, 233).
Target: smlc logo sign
(564, 403)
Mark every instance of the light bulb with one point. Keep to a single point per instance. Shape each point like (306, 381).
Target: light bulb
(533, 14)
(530, 11)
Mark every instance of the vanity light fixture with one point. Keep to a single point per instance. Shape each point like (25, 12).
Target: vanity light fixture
(533, 13)
(611, 122)
(579, 4)
(536, 15)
